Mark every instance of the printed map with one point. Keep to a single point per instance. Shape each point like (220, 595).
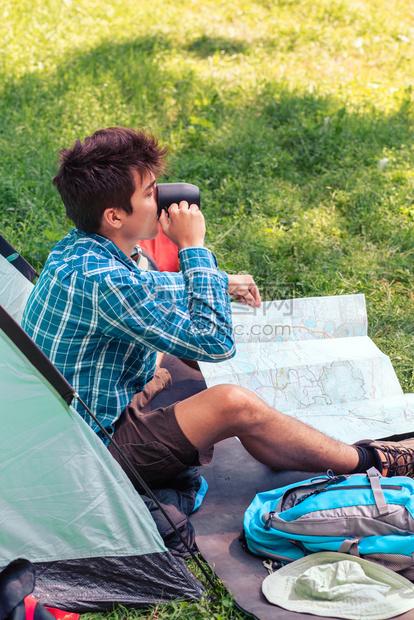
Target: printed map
(311, 359)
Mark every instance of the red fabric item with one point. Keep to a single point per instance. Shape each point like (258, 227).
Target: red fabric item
(163, 251)
(30, 604)
(62, 615)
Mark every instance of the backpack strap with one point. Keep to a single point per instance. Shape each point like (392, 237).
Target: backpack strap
(350, 545)
(374, 480)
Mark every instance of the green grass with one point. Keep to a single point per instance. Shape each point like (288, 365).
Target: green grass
(217, 605)
(280, 110)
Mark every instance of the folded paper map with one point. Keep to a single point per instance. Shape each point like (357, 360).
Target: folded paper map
(312, 359)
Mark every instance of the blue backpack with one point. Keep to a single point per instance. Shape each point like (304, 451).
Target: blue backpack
(362, 514)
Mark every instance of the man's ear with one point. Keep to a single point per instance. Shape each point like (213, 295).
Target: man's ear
(111, 217)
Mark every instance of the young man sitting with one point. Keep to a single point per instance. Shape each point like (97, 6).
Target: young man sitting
(101, 321)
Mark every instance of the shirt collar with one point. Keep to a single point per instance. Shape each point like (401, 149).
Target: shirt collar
(109, 245)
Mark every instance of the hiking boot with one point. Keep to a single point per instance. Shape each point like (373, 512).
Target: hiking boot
(394, 458)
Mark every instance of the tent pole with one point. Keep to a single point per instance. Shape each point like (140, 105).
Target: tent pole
(147, 490)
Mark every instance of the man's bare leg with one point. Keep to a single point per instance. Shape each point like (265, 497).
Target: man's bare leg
(277, 440)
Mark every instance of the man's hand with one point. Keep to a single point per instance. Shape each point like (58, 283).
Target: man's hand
(184, 225)
(244, 289)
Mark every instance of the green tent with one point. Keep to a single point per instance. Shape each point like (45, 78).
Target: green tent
(16, 277)
(65, 504)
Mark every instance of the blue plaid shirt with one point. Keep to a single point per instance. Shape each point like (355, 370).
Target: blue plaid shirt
(100, 319)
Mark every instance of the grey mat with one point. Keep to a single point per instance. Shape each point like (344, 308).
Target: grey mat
(234, 478)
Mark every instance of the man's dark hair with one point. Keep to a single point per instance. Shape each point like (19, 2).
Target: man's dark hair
(98, 173)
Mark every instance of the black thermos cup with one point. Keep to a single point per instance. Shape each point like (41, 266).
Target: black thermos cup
(168, 193)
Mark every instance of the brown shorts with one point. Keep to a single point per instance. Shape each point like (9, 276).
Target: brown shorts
(152, 441)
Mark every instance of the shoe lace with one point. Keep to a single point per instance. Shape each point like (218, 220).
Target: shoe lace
(399, 460)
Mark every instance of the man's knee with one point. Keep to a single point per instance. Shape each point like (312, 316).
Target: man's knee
(239, 403)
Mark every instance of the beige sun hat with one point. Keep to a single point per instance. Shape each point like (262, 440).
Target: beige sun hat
(339, 585)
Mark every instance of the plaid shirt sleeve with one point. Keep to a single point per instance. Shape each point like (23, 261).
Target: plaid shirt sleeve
(186, 314)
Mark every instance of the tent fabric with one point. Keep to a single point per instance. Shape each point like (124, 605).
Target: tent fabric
(99, 584)
(16, 278)
(46, 431)
(19, 263)
(32, 352)
(67, 506)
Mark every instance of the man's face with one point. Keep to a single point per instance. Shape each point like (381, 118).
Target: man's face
(142, 223)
